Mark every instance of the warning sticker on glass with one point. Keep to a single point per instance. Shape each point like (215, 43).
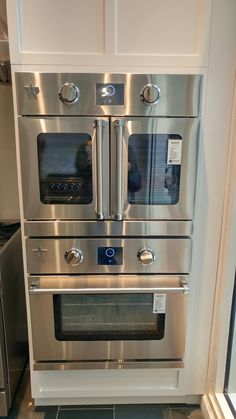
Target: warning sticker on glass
(159, 303)
(174, 151)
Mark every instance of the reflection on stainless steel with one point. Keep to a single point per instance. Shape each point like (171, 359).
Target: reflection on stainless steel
(150, 94)
(108, 284)
(118, 124)
(182, 98)
(47, 348)
(108, 215)
(13, 328)
(94, 365)
(172, 255)
(31, 128)
(185, 127)
(99, 162)
(108, 228)
(152, 195)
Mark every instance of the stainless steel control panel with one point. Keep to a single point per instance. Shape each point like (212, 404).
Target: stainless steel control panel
(107, 256)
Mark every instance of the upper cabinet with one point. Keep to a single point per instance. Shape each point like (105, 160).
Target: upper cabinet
(109, 32)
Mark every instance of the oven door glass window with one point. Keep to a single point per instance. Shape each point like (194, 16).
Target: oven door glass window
(153, 178)
(65, 168)
(107, 317)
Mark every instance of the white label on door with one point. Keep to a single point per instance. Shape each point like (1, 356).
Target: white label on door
(159, 303)
(174, 151)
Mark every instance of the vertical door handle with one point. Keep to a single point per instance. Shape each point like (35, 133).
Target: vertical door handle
(99, 123)
(119, 123)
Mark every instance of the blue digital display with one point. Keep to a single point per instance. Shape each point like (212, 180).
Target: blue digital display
(110, 255)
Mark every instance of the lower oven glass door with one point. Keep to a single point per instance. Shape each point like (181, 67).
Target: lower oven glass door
(108, 318)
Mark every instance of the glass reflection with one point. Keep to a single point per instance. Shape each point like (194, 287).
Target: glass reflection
(65, 168)
(151, 181)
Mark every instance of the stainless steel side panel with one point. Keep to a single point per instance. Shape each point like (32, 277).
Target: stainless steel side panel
(180, 94)
(187, 128)
(4, 403)
(29, 129)
(107, 228)
(47, 255)
(47, 348)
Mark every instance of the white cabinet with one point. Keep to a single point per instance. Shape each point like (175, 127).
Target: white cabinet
(109, 32)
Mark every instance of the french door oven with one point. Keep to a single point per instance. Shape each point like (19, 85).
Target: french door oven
(108, 168)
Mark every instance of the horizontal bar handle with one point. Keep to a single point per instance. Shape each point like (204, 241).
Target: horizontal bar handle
(37, 290)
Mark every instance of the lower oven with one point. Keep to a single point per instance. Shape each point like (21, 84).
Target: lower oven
(108, 302)
(108, 321)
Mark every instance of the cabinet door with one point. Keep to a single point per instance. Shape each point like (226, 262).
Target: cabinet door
(162, 31)
(109, 32)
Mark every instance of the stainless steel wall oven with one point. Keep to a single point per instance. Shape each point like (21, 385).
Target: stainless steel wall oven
(108, 146)
(108, 166)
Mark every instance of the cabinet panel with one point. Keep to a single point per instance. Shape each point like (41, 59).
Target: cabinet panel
(110, 32)
(158, 27)
(61, 26)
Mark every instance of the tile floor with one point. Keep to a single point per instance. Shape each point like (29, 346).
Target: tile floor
(23, 408)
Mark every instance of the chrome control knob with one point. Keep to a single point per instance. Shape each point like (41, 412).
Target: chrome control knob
(146, 256)
(73, 256)
(69, 93)
(150, 94)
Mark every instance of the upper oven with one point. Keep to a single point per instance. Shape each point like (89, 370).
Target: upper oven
(108, 146)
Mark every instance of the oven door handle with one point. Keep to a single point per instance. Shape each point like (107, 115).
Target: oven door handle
(99, 123)
(35, 289)
(119, 124)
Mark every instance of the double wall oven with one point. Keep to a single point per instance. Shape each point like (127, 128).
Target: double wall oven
(108, 168)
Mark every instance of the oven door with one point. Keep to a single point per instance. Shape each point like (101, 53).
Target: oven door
(154, 161)
(64, 165)
(108, 318)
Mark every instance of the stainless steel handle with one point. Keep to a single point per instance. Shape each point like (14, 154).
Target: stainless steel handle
(35, 289)
(99, 123)
(119, 123)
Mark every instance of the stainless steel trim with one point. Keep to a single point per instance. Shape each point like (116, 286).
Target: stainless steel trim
(181, 94)
(108, 228)
(118, 213)
(50, 366)
(99, 164)
(173, 255)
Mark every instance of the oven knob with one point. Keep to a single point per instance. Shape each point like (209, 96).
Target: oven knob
(146, 256)
(69, 93)
(150, 94)
(73, 257)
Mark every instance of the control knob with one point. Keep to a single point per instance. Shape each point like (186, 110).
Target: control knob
(146, 256)
(69, 93)
(150, 94)
(73, 256)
